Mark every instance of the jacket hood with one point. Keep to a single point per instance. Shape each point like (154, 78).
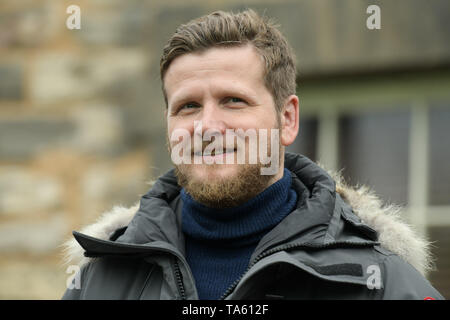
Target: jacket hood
(393, 233)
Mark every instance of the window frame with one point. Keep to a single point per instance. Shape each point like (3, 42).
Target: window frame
(328, 98)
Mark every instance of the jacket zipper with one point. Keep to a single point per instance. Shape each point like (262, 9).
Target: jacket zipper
(287, 247)
(178, 279)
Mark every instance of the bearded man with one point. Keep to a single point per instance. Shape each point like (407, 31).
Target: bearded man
(272, 225)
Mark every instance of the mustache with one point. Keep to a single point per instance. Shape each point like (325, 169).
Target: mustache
(219, 142)
(218, 146)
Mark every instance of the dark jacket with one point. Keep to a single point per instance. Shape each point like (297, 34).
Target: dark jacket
(322, 250)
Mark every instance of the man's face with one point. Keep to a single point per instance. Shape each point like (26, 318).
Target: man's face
(224, 89)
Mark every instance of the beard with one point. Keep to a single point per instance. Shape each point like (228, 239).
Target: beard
(224, 192)
(228, 191)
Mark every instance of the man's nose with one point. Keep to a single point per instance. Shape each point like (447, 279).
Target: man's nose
(213, 119)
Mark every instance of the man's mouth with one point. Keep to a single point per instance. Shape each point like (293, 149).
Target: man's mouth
(214, 152)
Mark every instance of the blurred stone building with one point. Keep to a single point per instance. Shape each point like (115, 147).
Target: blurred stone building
(82, 115)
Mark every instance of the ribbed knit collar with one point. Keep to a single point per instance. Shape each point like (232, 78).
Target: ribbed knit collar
(248, 221)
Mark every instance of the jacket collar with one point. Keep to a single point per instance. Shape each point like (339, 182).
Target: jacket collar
(325, 203)
(160, 210)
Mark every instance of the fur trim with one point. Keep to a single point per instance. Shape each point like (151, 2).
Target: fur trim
(103, 228)
(394, 234)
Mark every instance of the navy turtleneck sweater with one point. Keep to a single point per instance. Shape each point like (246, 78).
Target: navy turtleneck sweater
(219, 242)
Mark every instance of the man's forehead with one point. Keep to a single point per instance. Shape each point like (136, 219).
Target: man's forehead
(240, 61)
(229, 58)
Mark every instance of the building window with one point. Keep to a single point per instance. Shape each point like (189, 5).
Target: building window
(439, 150)
(373, 151)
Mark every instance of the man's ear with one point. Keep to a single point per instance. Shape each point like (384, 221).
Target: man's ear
(289, 120)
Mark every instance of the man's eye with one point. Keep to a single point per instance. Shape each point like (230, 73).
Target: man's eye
(235, 100)
(188, 106)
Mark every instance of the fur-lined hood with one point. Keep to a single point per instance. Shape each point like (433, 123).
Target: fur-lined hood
(394, 234)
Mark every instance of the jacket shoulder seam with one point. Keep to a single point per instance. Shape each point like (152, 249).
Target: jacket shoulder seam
(383, 251)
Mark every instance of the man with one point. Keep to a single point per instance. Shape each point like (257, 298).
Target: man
(219, 228)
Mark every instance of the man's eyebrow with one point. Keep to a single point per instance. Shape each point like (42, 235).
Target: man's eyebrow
(230, 91)
(182, 98)
(238, 90)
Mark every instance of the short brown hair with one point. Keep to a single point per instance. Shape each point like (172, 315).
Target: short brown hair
(228, 29)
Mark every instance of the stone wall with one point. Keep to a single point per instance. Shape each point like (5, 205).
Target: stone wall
(75, 133)
(82, 116)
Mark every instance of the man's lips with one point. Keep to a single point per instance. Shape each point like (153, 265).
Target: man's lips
(214, 153)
